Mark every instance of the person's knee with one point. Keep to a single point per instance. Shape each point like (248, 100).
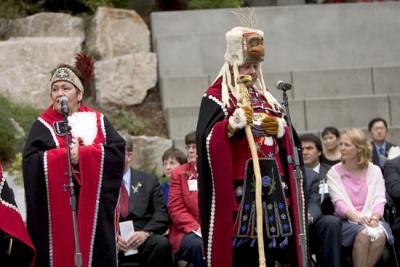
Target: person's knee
(381, 241)
(159, 242)
(362, 240)
(195, 244)
(333, 223)
(329, 225)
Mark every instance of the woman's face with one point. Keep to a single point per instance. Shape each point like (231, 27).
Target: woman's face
(191, 153)
(330, 141)
(64, 88)
(168, 165)
(348, 150)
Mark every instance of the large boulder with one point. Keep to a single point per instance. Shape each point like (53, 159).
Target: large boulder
(25, 65)
(116, 32)
(124, 80)
(47, 25)
(147, 153)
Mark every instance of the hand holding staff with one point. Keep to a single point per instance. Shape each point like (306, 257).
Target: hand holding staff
(245, 101)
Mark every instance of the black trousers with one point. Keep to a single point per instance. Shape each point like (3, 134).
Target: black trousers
(155, 252)
(191, 250)
(326, 240)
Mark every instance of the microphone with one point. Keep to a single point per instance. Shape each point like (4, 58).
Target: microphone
(281, 85)
(64, 105)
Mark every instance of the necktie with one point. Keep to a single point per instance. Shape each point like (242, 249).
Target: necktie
(381, 151)
(124, 202)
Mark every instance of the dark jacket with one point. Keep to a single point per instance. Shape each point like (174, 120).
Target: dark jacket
(147, 209)
(375, 154)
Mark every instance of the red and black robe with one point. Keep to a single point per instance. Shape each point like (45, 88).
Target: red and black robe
(97, 183)
(220, 158)
(16, 248)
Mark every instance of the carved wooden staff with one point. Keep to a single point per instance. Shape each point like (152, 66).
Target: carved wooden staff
(243, 80)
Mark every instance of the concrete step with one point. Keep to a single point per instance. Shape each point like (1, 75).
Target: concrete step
(346, 82)
(297, 38)
(354, 111)
(182, 120)
(187, 91)
(308, 115)
(183, 91)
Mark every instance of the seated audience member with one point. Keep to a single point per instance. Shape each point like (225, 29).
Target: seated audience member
(379, 131)
(357, 189)
(330, 139)
(16, 248)
(171, 159)
(312, 150)
(325, 230)
(392, 183)
(141, 201)
(185, 234)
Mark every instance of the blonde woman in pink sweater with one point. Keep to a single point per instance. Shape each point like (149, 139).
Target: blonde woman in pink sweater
(357, 190)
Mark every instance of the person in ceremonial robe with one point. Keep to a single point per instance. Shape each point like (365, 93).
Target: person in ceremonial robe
(16, 248)
(226, 178)
(97, 156)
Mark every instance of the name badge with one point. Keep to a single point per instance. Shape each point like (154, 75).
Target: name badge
(192, 184)
(323, 188)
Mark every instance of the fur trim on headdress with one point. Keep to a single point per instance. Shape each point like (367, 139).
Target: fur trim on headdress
(235, 56)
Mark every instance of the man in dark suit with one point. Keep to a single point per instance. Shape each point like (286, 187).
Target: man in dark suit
(325, 231)
(378, 130)
(141, 201)
(392, 184)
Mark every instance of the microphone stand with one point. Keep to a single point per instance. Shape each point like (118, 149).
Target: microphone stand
(72, 196)
(299, 186)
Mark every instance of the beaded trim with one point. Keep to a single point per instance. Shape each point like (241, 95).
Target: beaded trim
(212, 215)
(218, 102)
(53, 134)
(46, 175)
(2, 201)
(103, 128)
(97, 206)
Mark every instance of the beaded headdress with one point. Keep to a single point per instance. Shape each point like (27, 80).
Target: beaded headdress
(243, 45)
(65, 74)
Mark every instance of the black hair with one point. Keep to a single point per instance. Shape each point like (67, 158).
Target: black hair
(309, 137)
(330, 130)
(190, 138)
(375, 120)
(174, 153)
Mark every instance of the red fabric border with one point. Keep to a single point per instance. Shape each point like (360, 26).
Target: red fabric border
(224, 196)
(12, 224)
(90, 157)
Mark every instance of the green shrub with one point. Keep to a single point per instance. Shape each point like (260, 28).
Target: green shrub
(7, 139)
(24, 115)
(208, 4)
(94, 4)
(16, 169)
(11, 9)
(128, 121)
